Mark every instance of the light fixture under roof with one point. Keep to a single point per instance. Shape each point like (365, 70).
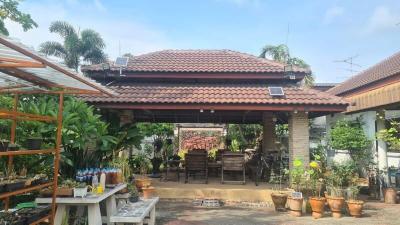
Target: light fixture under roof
(276, 91)
(121, 61)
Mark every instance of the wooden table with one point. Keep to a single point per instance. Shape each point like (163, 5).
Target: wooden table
(137, 212)
(92, 202)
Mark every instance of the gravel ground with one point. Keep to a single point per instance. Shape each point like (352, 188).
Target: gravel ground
(183, 213)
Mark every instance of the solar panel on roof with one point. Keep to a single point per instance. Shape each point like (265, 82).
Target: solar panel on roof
(121, 61)
(276, 91)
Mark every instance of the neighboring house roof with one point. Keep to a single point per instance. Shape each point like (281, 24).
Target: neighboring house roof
(378, 72)
(323, 86)
(212, 93)
(199, 61)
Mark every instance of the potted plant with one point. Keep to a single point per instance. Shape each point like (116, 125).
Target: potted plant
(134, 194)
(34, 142)
(4, 145)
(390, 195)
(339, 176)
(143, 181)
(354, 206)
(280, 198)
(316, 201)
(297, 175)
(80, 190)
(148, 192)
(13, 147)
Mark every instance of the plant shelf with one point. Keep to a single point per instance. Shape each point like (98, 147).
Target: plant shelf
(24, 190)
(43, 219)
(27, 152)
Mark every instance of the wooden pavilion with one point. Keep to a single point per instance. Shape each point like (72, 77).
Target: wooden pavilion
(215, 86)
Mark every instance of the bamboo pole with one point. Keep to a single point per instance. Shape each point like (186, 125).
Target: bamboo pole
(57, 155)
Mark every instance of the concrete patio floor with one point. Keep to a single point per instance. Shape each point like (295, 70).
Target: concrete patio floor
(183, 213)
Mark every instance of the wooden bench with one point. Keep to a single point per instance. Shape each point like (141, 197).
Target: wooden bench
(141, 212)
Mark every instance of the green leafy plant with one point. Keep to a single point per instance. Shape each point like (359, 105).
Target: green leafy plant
(244, 135)
(316, 178)
(297, 174)
(133, 190)
(340, 176)
(139, 163)
(391, 135)
(349, 135)
(9, 10)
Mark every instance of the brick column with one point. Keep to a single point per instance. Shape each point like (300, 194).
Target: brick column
(299, 138)
(268, 132)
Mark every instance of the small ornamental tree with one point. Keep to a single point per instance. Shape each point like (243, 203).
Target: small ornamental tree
(391, 135)
(349, 135)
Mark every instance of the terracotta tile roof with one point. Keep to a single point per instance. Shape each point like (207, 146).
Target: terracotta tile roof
(213, 93)
(382, 70)
(210, 61)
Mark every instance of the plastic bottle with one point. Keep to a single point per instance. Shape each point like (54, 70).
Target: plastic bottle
(95, 182)
(103, 180)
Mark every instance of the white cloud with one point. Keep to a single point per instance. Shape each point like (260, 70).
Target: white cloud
(132, 36)
(99, 5)
(382, 19)
(332, 13)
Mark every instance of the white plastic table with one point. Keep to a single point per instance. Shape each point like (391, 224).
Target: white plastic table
(92, 202)
(136, 213)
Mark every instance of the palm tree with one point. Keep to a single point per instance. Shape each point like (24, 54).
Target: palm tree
(281, 54)
(86, 45)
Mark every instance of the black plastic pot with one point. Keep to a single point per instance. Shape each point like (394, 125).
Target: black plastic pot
(39, 181)
(34, 143)
(13, 147)
(133, 199)
(2, 188)
(15, 186)
(4, 146)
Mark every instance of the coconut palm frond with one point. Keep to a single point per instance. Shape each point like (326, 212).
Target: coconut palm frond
(62, 28)
(53, 48)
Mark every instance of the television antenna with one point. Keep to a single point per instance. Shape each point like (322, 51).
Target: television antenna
(350, 62)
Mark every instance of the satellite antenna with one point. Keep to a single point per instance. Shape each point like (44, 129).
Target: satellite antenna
(349, 61)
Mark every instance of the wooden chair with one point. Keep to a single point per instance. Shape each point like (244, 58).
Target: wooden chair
(218, 154)
(196, 162)
(173, 167)
(233, 162)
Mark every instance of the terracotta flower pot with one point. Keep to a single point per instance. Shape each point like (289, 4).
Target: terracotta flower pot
(355, 207)
(295, 205)
(279, 200)
(390, 196)
(148, 192)
(142, 183)
(317, 206)
(336, 205)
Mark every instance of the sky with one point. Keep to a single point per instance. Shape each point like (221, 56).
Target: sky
(318, 31)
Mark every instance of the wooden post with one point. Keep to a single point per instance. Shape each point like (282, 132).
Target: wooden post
(57, 155)
(12, 140)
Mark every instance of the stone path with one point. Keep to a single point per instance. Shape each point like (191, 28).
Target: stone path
(181, 213)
